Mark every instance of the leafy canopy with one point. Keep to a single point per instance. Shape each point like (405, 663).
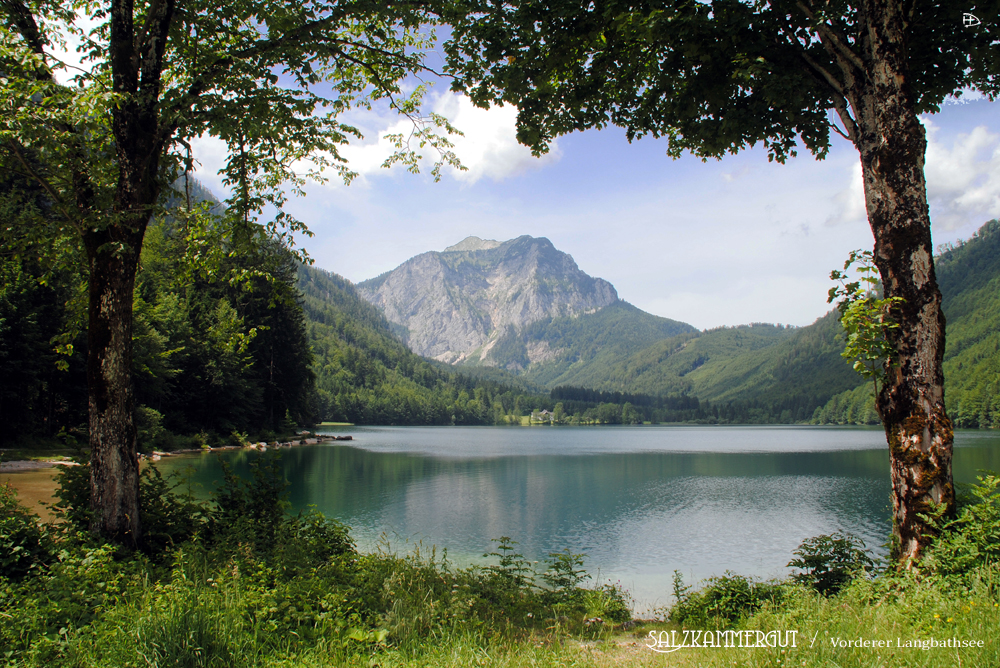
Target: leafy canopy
(712, 77)
(271, 81)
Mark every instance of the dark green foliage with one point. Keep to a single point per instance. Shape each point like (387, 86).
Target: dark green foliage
(971, 540)
(219, 348)
(72, 495)
(711, 77)
(722, 601)
(565, 575)
(23, 544)
(251, 512)
(512, 571)
(855, 406)
(43, 390)
(168, 517)
(827, 563)
(213, 351)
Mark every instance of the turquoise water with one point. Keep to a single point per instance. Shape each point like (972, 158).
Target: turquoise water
(639, 501)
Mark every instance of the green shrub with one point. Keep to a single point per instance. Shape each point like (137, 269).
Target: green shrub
(972, 538)
(168, 518)
(723, 600)
(73, 495)
(73, 591)
(564, 576)
(149, 428)
(251, 512)
(829, 562)
(607, 603)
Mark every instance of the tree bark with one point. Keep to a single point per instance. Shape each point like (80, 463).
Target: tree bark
(113, 256)
(892, 145)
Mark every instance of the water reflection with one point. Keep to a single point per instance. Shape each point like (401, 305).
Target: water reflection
(640, 502)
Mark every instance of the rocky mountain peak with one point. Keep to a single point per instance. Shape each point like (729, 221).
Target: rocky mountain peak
(472, 244)
(455, 305)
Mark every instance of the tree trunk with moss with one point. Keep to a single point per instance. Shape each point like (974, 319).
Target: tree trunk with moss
(892, 144)
(114, 467)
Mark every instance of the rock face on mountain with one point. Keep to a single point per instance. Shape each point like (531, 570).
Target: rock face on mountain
(455, 305)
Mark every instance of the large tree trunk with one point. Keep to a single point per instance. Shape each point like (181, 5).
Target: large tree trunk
(113, 256)
(892, 144)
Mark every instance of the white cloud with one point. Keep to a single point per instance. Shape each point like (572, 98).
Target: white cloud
(849, 203)
(70, 56)
(963, 181)
(210, 154)
(488, 147)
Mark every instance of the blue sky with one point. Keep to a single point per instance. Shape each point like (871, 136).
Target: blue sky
(719, 243)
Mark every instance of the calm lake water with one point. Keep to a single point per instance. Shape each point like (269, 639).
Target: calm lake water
(639, 501)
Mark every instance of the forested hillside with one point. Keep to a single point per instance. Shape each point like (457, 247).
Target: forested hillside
(213, 354)
(366, 375)
(577, 349)
(752, 373)
(969, 276)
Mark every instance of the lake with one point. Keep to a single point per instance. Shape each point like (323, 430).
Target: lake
(639, 501)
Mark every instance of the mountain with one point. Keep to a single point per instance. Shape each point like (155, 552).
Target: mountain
(523, 306)
(509, 304)
(751, 373)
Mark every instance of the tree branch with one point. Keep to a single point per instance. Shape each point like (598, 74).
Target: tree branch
(26, 25)
(831, 80)
(838, 97)
(826, 31)
(16, 149)
(850, 125)
(262, 48)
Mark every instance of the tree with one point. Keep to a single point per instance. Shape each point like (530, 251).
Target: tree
(267, 78)
(716, 77)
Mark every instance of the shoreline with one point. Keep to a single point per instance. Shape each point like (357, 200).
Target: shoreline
(21, 465)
